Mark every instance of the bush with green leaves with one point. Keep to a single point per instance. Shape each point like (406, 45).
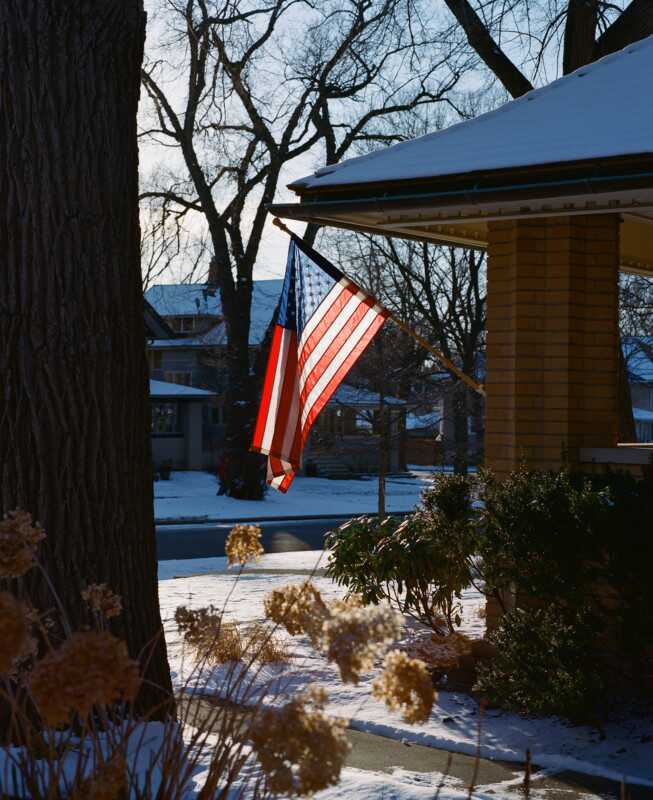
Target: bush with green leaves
(541, 531)
(573, 539)
(545, 664)
(421, 564)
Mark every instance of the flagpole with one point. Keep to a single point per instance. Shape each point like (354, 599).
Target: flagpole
(437, 354)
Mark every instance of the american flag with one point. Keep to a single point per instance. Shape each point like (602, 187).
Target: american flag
(325, 322)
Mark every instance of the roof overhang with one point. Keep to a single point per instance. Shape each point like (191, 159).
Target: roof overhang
(455, 209)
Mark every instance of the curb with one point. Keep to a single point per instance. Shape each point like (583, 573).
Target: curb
(231, 520)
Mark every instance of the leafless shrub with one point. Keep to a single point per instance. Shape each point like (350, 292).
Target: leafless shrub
(75, 733)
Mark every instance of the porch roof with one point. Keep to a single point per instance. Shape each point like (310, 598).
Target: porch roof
(582, 144)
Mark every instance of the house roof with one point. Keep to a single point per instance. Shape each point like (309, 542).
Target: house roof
(190, 299)
(164, 389)
(155, 325)
(214, 337)
(582, 144)
(348, 395)
(427, 421)
(642, 415)
(598, 111)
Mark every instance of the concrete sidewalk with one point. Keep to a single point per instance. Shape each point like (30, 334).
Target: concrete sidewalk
(500, 779)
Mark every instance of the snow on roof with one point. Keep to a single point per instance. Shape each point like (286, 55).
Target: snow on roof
(603, 109)
(642, 415)
(639, 358)
(430, 420)
(215, 337)
(353, 396)
(190, 299)
(163, 389)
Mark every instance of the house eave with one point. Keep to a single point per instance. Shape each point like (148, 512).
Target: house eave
(456, 209)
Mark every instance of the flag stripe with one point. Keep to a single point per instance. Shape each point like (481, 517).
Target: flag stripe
(264, 410)
(337, 338)
(325, 313)
(338, 368)
(340, 374)
(286, 385)
(272, 414)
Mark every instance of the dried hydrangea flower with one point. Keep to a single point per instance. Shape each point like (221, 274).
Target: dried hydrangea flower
(102, 600)
(355, 636)
(440, 652)
(301, 750)
(209, 635)
(90, 669)
(405, 685)
(19, 538)
(299, 608)
(243, 544)
(14, 631)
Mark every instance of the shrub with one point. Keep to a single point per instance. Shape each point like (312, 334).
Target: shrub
(545, 664)
(581, 539)
(540, 532)
(420, 565)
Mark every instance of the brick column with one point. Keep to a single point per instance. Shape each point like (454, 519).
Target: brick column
(552, 339)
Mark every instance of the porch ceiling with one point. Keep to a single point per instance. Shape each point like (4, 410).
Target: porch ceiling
(433, 216)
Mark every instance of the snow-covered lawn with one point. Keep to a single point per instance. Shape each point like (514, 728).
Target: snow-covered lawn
(624, 751)
(193, 495)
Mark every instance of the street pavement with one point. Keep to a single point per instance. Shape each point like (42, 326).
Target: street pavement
(208, 540)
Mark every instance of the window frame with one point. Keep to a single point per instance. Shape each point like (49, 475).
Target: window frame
(178, 431)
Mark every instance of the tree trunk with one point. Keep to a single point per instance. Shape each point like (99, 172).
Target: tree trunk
(74, 410)
(383, 452)
(244, 472)
(460, 432)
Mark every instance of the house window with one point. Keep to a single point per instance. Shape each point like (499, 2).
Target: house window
(182, 324)
(166, 419)
(364, 422)
(217, 415)
(180, 378)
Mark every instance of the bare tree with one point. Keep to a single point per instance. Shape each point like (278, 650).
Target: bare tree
(524, 42)
(438, 291)
(636, 317)
(74, 410)
(264, 84)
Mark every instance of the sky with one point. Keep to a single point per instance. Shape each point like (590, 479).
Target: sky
(273, 249)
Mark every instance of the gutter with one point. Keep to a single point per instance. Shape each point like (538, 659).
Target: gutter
(473, 194)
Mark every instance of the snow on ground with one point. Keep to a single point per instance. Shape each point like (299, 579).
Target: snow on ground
(193, 495)
(625, 750)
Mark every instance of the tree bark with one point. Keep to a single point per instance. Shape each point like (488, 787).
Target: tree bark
(244, 471)
(515, 82)
(634, 23)
(74, 409)
(580, 34)
(460, 432)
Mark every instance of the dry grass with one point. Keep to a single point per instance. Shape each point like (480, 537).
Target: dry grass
(265, 645)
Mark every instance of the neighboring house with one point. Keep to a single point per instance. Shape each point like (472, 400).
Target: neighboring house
(186, 348)
(191, 351)
(424, 435)
(345, 438)
(638, 354)
(177, 424)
